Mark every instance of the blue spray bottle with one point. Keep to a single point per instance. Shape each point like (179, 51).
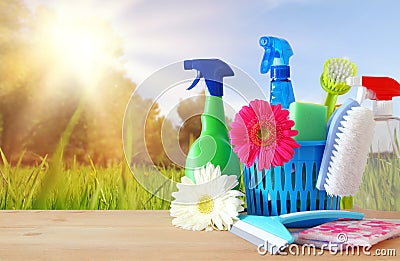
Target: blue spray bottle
(276, 58)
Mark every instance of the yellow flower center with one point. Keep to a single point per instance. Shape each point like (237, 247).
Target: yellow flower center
(205, 204)
(262, 133)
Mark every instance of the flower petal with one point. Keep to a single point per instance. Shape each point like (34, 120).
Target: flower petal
(247, 114)
(186, 208)
(266, 157)
(186, 180)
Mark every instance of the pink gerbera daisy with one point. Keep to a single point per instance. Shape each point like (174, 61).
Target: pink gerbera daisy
(264, 132)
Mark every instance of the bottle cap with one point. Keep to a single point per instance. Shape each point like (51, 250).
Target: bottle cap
(280, 71)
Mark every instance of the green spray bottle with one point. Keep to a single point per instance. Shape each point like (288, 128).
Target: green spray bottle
(213, 144)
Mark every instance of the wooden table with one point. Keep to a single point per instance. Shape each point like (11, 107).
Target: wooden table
(127, 235)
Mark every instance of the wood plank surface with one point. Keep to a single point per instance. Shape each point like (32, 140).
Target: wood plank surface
(129, 235)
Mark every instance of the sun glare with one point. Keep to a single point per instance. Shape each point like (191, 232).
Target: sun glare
(80, 47)
(76, 46)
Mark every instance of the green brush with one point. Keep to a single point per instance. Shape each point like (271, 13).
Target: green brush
(333, 80)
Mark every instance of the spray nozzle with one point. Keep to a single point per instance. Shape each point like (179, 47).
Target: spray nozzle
(378, 88)
(277, 52)
(212, 70)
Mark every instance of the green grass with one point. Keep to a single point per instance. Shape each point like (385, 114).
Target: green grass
(79, 187)
(380, 187)
(52, 185)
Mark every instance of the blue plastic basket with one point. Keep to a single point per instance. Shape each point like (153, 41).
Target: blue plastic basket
(290, 188)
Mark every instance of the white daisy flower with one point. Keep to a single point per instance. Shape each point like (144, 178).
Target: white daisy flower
(208, 204)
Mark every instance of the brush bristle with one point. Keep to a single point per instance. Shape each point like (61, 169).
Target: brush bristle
(337, 70)
(350, 152)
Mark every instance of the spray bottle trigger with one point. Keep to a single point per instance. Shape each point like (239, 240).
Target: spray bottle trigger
(267, 60)
(364, 94)
(196, 81)
(361, 94)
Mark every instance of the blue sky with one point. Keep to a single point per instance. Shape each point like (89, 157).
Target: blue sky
(158, 33)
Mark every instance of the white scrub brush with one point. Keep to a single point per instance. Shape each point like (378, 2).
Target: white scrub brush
(350, 133)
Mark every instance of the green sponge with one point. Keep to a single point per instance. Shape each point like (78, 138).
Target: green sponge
(310, 120)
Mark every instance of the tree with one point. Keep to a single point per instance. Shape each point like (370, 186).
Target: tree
(39, 92)
(38, 95)
(189, 111)
(143, 128)
(105, 89)
(13, 72)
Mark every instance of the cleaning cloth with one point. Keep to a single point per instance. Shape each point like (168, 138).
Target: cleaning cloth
(349, 232)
